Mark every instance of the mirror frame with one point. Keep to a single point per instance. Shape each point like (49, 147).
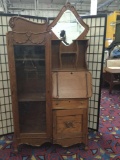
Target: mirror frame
(68, 6)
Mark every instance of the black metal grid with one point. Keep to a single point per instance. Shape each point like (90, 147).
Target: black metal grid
(95, 56)
(6, 120)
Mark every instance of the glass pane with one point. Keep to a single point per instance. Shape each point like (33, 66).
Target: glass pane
(32, 117)
(31, 89)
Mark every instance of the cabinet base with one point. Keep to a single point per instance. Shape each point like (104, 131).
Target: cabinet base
(71, 141)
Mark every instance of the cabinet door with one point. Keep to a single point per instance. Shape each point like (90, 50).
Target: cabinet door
(72, 84)
(69, 125)
(30, 66)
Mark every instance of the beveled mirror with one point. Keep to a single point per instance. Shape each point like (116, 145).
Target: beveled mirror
(68, 25)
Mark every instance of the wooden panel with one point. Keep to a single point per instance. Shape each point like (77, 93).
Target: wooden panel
(54, 53)
(34, 141)
(70, 53)
(68, 49)
(71, 141)
(69, 57)
(71, 84)
(69, 123)
(20, 24)
(69, 104)
(82, 49)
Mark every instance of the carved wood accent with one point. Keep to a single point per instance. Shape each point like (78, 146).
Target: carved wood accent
(22, 38)
(27, 32)
(68, 124)
(20, 24)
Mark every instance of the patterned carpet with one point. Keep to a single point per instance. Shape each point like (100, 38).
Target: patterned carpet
(103, 145)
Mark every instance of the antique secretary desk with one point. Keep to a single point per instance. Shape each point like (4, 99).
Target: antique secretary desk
(50, 82)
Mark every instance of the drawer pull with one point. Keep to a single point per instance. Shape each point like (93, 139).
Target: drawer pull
(69, 124)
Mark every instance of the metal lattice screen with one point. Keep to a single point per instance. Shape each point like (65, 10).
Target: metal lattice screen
(95, 55)
(6, 118)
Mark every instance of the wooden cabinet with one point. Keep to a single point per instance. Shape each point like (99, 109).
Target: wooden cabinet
(71, 82)
(71, 89)
(50, 82)
(29, 66)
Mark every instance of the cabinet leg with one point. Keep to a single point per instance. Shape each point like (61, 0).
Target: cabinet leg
(86, 142)
(15, 149)
(86, 148)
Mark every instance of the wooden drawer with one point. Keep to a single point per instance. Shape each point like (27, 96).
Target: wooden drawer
(69, 123)
(69, 104)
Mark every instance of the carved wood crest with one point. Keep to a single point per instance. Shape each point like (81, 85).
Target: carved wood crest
(25, 31)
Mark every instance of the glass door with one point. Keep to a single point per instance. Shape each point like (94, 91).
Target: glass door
(31, 87)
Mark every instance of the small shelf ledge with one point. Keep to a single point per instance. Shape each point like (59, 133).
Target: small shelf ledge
(31, 97)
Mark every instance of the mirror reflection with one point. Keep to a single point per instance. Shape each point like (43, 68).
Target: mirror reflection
(68, 28)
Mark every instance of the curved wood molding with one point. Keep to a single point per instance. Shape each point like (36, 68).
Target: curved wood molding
(23, 38)
(68, 6)
(20, 24)
(25, 31)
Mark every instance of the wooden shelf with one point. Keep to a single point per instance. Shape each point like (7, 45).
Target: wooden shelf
(69, 69)
(31, 97)
(30, 59)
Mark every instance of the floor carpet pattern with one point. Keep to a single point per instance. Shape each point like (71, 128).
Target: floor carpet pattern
(103, 145)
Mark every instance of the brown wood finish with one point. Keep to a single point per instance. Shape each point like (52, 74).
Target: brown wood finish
(69, 57)
(71, 87)
(27, 26)
(69, 124)
(71, 50)
(32, 113)
(71, 84)
(50, 83)
(69, 103)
